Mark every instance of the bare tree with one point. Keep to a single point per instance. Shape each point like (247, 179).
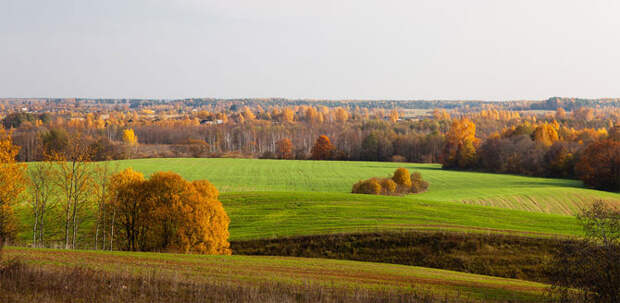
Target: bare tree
(591, 265)
(103, 171)
(73, 174)
(42, 190)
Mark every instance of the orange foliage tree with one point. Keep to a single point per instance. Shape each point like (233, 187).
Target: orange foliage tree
(599, 165)
(460, 145)
(322, 148)
(12, 185)
(169, 213)
(284, 149)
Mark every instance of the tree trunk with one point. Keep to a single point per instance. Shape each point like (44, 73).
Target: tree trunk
(112, 228)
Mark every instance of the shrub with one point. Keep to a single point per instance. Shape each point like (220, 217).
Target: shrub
(370, 187)
(388, 186)
(418, 185)
(401, 182)
(401, 177)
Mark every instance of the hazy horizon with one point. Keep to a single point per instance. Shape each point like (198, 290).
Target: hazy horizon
(365, 50)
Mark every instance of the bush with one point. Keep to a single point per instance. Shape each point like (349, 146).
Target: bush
(401, 182)
(401, 177)
(389, 186)
(418, 185)
(369, 187)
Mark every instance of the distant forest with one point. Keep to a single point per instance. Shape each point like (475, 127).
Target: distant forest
(557, 137)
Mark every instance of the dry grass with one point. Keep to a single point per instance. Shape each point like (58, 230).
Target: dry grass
(335, 280)
(31, 283)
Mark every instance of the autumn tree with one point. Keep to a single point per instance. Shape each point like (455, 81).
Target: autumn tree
(342, 115)
(599, 165)
(460, 146)
(322, 149)
(130, 139)
(545, 134)
(394, 115)
(284, 149)
(12, 185)
(168, 213)
(204, 224)
(130, 209)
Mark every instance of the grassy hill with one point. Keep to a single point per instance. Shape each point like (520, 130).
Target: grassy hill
(302, 272)
(256, 215)
(545, 195)
(274, 198)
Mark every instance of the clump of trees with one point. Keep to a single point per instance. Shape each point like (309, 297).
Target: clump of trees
(537, 149)
(400, 183)
(74, 201)
(590, 266)
(168, 213)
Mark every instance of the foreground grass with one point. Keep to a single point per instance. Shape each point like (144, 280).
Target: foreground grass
(253, 270)
(259, 215)
(559, 196)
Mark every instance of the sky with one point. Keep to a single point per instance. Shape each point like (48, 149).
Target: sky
(319, 49)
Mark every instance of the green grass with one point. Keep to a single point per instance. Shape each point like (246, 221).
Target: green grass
(297, 271)
(557, 196)
(274, 198)
(256, 215)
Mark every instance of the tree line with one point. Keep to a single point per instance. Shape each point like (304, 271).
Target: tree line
(551, 144)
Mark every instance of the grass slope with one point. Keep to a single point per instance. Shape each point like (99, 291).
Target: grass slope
(300, 271)
(257, 215)
(557, 196)
(274, 198)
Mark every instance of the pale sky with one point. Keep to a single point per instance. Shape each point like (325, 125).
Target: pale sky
(329, 49)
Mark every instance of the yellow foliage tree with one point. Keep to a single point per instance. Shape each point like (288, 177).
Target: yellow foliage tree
(169, 213)
(394, 115)
(545, 134)
(12, 185)
(129, 137)
(460, 146)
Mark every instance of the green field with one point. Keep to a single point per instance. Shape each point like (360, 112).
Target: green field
(299, 271)
(257, 215)
(558, 196)
(278, 198)
(275, 198)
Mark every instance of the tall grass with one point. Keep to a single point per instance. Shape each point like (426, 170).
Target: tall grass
(20, 282)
